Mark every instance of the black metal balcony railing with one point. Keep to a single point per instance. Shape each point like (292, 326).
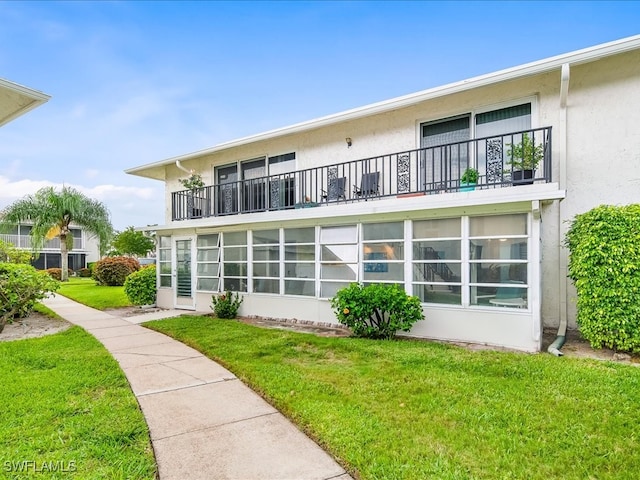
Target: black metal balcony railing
(430, 170)
(24, 241)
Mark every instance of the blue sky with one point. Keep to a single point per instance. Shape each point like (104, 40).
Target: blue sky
(137, 82)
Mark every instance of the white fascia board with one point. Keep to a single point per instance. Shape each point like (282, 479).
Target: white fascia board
(37, 99)
(534, 68)
(447, 204)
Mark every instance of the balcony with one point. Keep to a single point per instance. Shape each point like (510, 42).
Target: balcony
(423, 171)
(24, 242)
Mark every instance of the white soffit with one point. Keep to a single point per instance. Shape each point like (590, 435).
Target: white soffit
(16, 100)
(541, 66)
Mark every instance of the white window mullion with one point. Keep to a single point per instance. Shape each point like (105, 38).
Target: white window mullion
(250, 261)
(465, 257)
(408, 257)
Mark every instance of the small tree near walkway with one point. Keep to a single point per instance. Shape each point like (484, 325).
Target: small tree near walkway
(131, 242)
(21, 286)
(51, 214)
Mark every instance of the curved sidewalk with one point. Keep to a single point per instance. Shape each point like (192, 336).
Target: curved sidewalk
(204, 422)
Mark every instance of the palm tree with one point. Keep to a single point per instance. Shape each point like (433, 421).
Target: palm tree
(51, 213)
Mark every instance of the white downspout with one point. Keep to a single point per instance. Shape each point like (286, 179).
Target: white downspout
(557, 344)
(179, 165)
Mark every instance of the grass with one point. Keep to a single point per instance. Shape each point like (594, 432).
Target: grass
(40, 308)
(101, 297)
(416, 410)
(66, 406)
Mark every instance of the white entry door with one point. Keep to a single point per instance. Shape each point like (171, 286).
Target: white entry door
(183, 272)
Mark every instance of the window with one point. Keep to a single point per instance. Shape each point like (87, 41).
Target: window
(266, 261)
(448, 150)
(498, 260)
(208, 262)
(164, 261)
(338, 258)
(383, 252)
(253, 185)
(234, 261)
(227, 189)
(282, 183)
(437, 260)
(300, 261)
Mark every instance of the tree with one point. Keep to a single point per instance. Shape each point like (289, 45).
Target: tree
(130, 242)
(52, 212)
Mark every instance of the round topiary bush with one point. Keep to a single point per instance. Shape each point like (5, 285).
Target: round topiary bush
(140, 286)
(113, 271)
(377, 310)
(55, 273)
(84, 272)
(604, 264)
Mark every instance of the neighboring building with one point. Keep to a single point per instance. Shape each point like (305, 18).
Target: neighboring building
(85, 249)
(384, 180)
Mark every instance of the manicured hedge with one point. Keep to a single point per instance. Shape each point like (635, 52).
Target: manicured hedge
(140, 286)
(113, 271)
(604, 264)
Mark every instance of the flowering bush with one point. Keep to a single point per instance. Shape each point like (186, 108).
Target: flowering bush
(226, 305)
(113, 271)
(55, 273)
(377, 310)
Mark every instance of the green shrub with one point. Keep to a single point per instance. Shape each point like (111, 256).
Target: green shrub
(84, 272)
(55, 273)
(113, 271)
(10, 254)
(226, 305)
(140, 286)
(604, 264)
(21, 286)
(377, 310)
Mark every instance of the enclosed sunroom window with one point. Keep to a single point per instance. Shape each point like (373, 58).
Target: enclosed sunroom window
(498, 247)
(437, 260)
(208, 258)
(234, 261)
(338, 258)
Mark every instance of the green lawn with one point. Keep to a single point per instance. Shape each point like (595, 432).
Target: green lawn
(67, 406)
(85, 291)
(422, 410)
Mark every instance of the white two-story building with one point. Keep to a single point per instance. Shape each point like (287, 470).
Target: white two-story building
(374, 194)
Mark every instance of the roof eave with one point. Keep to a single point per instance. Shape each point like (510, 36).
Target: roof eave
(534, 68)
(37, 99)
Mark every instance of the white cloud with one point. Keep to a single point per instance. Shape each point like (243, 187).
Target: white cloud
(129, 205)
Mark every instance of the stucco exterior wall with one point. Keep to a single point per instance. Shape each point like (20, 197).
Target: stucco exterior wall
(603, 140)
(595, 141)
(378, 134)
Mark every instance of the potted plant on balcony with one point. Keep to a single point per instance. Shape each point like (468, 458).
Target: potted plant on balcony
(524, 158)
(194, 184)
(468, 180)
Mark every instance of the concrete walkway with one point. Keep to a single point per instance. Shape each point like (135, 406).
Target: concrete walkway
(204, 422)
